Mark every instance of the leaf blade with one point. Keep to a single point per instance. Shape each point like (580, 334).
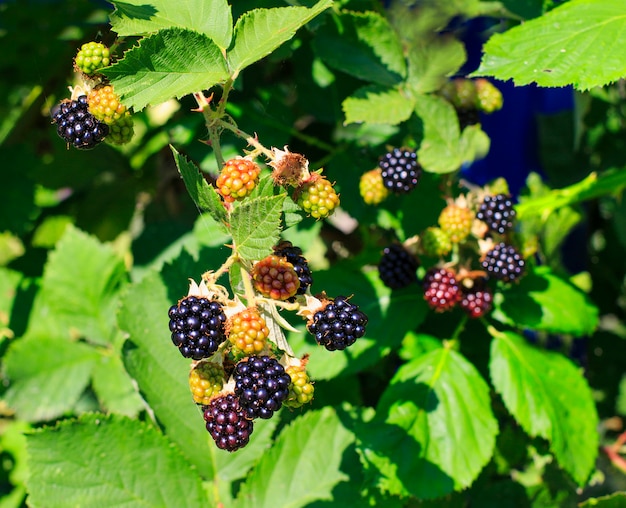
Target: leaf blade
(377, 105)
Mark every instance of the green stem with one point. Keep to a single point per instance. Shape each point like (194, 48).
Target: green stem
(226, 265)
(248, 289)
(251, 140)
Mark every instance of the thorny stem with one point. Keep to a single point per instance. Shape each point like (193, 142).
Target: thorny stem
(251, 140)
(613, 452)
(233, 258)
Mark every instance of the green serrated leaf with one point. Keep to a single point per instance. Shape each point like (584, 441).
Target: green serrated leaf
(261, 31)
(364, 45)
(47, 376)
(80, 289)
(210, 17)
(108, 461)
(319, 436)
(255, 225)
(432, 63)
(579, 43)
(170, 63)
(543, 301)
(204, 195)
(378, 105)
(160, 370)
(114, 387)
(550, 398)
(439, 151)
(434, 429)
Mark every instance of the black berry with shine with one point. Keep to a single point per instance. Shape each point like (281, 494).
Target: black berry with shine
(261, 384)
(400, 170)
(504, 263)
(338, 325)
(397, 267)
(76, 125)
(497, 212)
(197, 326)
(294, 255)
(227, 423)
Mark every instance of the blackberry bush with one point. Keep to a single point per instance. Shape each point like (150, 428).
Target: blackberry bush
(338, 324)
(197, 326)
(227, 423)
(261, 384)
(400, 170)
(76, 125)
(397, 267)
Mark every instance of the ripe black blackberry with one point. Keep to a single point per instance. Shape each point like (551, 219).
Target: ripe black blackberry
(197, 326)
(294, 255)
(76, 125)
(504, 262)
(227, 423)
(261, 384)
(338, 324)
(441, 289)
(400, 170)
(497, 212)
(476, 300)
(397, 267)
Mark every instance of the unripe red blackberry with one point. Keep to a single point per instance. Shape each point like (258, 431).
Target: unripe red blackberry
(301, 388)
(456, 222)
(197, 326)
(397, 267)
(293, 255)
(227, 423)
(338, 324)
(261, 384)
(76, 125)
(372, 187)
(237, 179)
(316, 196)
(497, 212)
(247, 331)
(441, 289)
(400, 170)
(206, 379)
(275, 277)
(435, 242)
(476, 300)
(504, 262)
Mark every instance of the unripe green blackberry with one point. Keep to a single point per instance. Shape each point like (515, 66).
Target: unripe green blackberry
(105, 105)
(301, 388)
(275, 277)
(317, 197)
(504, 262)
(237, 179)
(489, 97)
(456, 222)
(121, 131)
(372, 188)
(91, 57)
(397, 267)
(247, 331)
(400, 170)
(435, 242)
(206, 379)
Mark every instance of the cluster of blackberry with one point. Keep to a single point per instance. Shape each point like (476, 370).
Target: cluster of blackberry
(241, 370)
(94, 113)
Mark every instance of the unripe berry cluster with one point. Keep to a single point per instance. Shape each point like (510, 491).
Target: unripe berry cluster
(469, 97)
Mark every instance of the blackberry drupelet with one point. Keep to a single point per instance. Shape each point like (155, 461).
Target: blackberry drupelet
(477, 300)
(261, 384)
(497, 212)
(294, 256)
(441, 289)
(76, 125)
(397, 267)
(197, 326)
(227, 423)
(400, 170)
(338, 324)
(504, 262)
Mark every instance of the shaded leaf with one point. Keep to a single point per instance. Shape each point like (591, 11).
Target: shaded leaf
(170, 63)
(210, 17)
(377, 105)
(579, 43)
(114, 387)
(72, 464)
(617, 500)
(550, 398)
(430, 64)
